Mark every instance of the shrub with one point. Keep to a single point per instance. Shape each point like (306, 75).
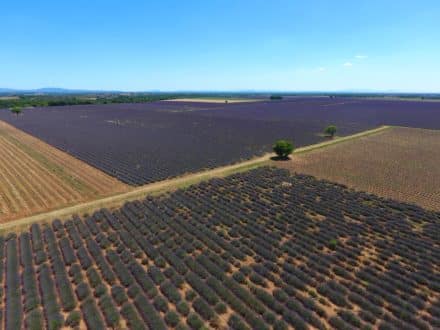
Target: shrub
(92, 317)
(129, 313)
(40, 257)
(236, 323)
(148, 313)
(169, 272)
(34, 320)
(194, 321)
(156, 274)
(82, 291)
(200, 286)
(160, 262)
(161, 304)
(239, 277)
(332, 244)
(280, 295)
(201, 307)
(134, 290)
(84, 258)
(67, 251)
(350, 318)
(118, 294)
(142, 277)
(269, 317)
(294, 320)
(257, 279)
(280, 325)
(109, 310)
(73, 319)
(246, 270)
(221, 308)
(100, 290)
(183, 308)
(14, 314)
(172, 318)
(75, 272)
(168, 289)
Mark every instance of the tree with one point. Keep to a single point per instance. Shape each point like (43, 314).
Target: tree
(283, 148)
(17, 110)
(276, 97)
(330, 130)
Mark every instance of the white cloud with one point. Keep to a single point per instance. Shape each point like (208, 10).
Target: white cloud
(348, 64)
(361, 57)
(321, 69)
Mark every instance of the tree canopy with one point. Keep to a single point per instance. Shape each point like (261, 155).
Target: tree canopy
(330, 130)
(276, 97)
(16, 110)
(283, 148)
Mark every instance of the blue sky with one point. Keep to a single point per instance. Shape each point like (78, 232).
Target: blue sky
(221, 45)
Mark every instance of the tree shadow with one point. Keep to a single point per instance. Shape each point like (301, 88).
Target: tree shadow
(280, 158)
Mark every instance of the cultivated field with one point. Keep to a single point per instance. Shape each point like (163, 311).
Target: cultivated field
(214, 100)
(256, 250)
(399, 163)
(144, 143)
(140, 144)
(36, 177)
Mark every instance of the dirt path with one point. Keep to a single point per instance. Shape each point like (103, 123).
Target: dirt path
(166, 185)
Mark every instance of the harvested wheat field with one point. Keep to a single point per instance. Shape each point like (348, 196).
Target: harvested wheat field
(399, 163)
(36, 177)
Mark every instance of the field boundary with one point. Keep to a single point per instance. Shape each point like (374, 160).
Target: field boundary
(168, 185)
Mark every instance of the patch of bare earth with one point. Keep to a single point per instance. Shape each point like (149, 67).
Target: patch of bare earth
(36, 177)
(398, 163)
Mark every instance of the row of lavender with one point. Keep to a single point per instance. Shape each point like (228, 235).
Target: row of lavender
(142, 143)
(258, 250)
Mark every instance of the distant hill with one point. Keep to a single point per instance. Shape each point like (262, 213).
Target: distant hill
(52, 90)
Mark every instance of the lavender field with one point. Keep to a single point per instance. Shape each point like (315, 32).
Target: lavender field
(142, 143)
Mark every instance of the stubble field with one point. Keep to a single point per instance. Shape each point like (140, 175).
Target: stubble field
(36, 177)
(399, 163)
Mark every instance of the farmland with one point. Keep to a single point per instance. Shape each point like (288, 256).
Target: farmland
(36, 177)
(254, 250)
(143, 143)
(399, 163)
(214, 100)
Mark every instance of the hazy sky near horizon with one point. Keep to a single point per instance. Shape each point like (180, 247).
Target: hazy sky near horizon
(221, 45)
